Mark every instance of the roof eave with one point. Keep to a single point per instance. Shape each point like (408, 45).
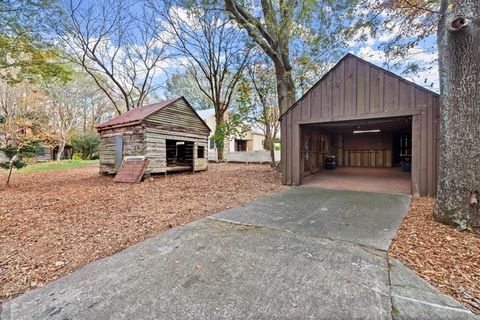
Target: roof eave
(119, 125)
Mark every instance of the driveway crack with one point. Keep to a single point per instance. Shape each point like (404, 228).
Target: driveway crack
(372, 250)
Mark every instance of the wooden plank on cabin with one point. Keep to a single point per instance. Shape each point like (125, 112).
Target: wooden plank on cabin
(131, 171)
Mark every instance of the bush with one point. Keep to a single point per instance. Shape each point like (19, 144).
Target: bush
(86, 145)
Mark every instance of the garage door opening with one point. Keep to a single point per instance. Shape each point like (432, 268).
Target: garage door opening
(369, 155)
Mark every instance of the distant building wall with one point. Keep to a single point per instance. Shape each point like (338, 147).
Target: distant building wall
(261, 156)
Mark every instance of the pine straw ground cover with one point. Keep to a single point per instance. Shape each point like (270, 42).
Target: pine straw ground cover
(442, 255)
(52, 223)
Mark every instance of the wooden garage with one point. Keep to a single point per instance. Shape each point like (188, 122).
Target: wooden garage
(366, 117)
(169, 134)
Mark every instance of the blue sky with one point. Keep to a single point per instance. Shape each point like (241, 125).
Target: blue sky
(369, 48)
(424, 54)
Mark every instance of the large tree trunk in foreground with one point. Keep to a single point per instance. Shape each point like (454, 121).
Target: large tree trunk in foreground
(458, 197)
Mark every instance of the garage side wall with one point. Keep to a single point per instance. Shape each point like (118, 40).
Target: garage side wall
(355, 89)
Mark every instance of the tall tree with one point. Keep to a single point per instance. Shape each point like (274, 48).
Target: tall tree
(113, 40)
(457, 26)
(66, 102)
(25, 54)
(265, 112)
(213, 50)
(458, 38)
(286, 30)
(184, 84)
(23, 123)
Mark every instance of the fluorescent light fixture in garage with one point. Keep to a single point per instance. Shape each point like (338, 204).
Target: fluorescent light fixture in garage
(365, 131)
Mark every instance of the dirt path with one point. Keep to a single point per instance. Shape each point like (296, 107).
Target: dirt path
(52, 223)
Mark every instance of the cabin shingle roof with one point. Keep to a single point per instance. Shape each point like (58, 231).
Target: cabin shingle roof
(136, 114)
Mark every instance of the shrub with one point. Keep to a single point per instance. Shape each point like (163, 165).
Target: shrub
(17, 153)
(86, 145)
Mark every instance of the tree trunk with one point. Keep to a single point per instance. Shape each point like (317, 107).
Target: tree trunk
(458, 40)
(273, 164)
(219, 119)
(10, 169)
(269, 144)
(9, 175)
(285, 89)
(61, 148)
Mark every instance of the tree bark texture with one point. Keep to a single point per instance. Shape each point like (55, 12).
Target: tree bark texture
(61, 148)
(220, 110)
(458, 40)
(285, 89)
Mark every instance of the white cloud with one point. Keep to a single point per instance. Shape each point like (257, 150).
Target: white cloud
(372, 55)
(427, 76)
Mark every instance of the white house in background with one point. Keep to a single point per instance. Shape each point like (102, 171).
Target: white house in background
(252, 140)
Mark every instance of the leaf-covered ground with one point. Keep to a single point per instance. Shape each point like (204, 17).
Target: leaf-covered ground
(444, 256)
(52, 223)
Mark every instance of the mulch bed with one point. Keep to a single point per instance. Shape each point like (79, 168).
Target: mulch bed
(442, 255)
(52, 223)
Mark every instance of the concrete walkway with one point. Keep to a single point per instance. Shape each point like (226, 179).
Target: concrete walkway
(306, 253)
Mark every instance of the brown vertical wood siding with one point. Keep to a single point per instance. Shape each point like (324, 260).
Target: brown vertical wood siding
(355, 89)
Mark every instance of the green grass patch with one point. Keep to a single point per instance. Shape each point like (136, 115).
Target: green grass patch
(56, 165)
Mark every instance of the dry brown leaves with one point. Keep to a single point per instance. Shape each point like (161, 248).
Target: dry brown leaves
(52, 223)
(444, 256)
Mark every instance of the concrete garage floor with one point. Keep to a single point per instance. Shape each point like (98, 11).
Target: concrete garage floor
(307, 253)
(385, 180)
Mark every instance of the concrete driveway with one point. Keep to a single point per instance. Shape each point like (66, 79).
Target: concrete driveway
(306, 253)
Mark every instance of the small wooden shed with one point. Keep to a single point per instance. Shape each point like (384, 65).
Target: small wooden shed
(365, 116)
(169, 134)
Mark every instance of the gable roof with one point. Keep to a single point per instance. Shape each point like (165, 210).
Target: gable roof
(364, 61)
(138, 114)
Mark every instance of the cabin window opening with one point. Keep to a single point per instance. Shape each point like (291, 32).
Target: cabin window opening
(200, 152)
(212, 143)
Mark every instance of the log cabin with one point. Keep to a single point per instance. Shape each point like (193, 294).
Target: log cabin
(169, 134)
